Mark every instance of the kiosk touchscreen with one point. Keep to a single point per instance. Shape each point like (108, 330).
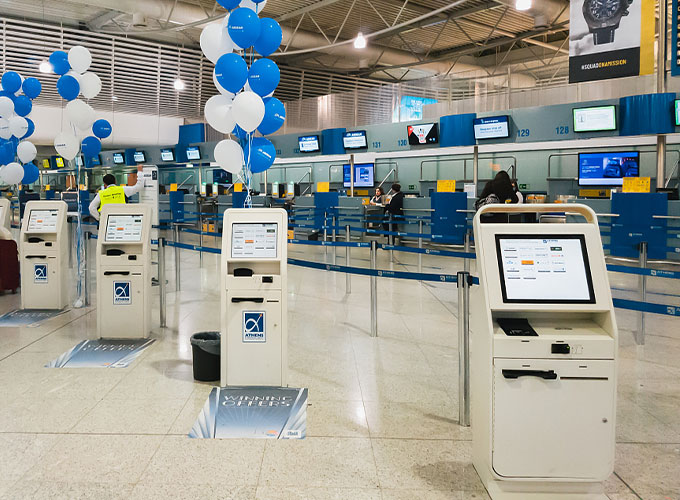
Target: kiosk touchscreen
(124, 271)
(543, 365)
(44, 256)
(253, 298)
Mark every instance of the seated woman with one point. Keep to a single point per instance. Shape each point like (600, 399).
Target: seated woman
(498, 190)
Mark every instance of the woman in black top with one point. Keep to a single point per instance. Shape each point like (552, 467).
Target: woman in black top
(395, 209)
(501, 186)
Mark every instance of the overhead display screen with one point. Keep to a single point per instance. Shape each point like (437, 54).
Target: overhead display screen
(607, 169)
(425, 133)
(167, 154)
(95, 160)
(355, 140)
(193, 153)
(43, 221)
(363, 175)
(254, 240)
(677, 113)
(596, 119)
(139, 156)
(118, 158)
(309, 144)
(124, 228)
(550, 269)
(221, 176)
(493, 127)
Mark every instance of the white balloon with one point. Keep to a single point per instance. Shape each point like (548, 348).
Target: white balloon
(256, 7)
(80, 114)
(12, 173)
(248, 110)
(215, 41)
(75, 75)
(67, 145)
(7, 105)
(26, 151)
(218, 114)
(79, 58)
(5, 132)
(220, 88)
(90, 85)
(18, 126)
(229, 156)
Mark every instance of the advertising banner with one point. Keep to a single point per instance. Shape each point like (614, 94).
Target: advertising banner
(610, 39)
(102, 353)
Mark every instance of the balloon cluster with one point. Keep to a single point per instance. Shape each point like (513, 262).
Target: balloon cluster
(75, 81)
(245, 103)
(16, 103)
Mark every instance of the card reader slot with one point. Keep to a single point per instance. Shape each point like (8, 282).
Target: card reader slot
(35, 239)
(36, 256)
(257, 300)
(544, 374)
(116, 273)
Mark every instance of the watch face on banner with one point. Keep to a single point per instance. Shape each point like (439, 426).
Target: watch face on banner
(610, 39)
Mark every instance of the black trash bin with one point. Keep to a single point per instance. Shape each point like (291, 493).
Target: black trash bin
(205, 347)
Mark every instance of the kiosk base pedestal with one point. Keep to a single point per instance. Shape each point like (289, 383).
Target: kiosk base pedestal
(509, 490)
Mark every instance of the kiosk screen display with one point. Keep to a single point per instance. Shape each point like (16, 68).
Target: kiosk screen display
(426, 133)
(355, 140)
(607, 169)
(139, 156)
(167, 154)
(493, 127)
(43, 221)
(254, 240)
(124, 228)
(193, 153)
(595, 119)
(309, 144)
(118, 158)
(363, 175)
(552, 269)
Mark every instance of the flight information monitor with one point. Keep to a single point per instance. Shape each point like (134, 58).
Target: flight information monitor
(425, 133)
(595, 119)
(309, 144)
(168, 154)
(363, 175)
(43, 221)
(254, 240)
(355, 139)
(544, 269)
(118, 158)
(493, 127)
(124, 228)
(193, 153)
(139, 156)
(607, 169)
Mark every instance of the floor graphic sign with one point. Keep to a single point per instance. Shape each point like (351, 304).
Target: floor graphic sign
(253, 412)
(102, 353)
(610, 39)
(27, 317)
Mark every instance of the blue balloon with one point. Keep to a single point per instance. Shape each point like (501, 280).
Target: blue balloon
(11, 81)
(91, 146)
(231, 72)
(261, 154)
(264, 77)
(31, 87)
(59, 62)
(31, 173)
(31, 128)
(22, 105)
(102, 128)
(274, 116)
(68, 87)
(270, 37)
(229, 4)
(244, 27)
(239, 132)
(7, 153)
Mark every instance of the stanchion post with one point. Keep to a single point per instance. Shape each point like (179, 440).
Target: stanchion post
(178, 285)
(86, 269)
(466, 261)
(464, 348)
(420, 245)
(640, 335)
(335, 249)
(374, 290)
(200, 239)
(325, 231)
(348, 277)
(161, 280)
(392, 237)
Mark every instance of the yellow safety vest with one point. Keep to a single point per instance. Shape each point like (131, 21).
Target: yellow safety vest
(112, 194)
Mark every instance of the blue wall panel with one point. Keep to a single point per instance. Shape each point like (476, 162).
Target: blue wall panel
(239, 199)
(325, 203)
(635, 224)
(176, 207)
(331, 141)
(446, 220)
(647, 114)
(191, 134)
(457, 130)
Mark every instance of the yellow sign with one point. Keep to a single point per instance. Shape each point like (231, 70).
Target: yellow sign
(83, 188)
(291, 234)
(208, 227)
(636, 185)
(48, 187)
(594, 193)
(323, 187)
(173, 187)
(238, 187)
(60, 162)
(46, 163)
(446, 186)
(361, 192)
(365, 201)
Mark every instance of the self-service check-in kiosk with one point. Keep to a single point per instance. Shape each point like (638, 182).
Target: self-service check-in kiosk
(543, 366)
(124, 272)
(253, 298)
(44, 249)
(5, 219)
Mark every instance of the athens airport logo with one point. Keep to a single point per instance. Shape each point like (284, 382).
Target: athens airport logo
(40, 273)
(253, 326)
(121, 293)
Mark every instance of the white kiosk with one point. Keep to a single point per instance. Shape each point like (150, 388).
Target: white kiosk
(543, 358)
(254, 350)
(124, 272)
(44, 252)
(5, 219)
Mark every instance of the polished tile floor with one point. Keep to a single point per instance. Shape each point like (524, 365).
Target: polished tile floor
(382, 419)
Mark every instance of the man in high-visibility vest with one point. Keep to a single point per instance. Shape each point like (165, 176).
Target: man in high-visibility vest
(114, 194)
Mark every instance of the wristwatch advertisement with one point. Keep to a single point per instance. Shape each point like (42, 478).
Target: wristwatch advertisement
(610, 39)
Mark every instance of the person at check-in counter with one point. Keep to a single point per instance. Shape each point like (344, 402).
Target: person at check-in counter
(394, 208)
(379, 197)
(113, 193)
(498, 190)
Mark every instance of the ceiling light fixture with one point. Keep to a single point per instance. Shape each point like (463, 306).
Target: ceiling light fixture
(178, 84)
(522, 4)
(45, 67)
(360, 41)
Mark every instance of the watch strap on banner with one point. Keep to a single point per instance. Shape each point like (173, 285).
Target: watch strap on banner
(603, 35)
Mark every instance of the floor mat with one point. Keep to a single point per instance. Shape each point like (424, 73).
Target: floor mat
(102, 353)
(27, 317)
